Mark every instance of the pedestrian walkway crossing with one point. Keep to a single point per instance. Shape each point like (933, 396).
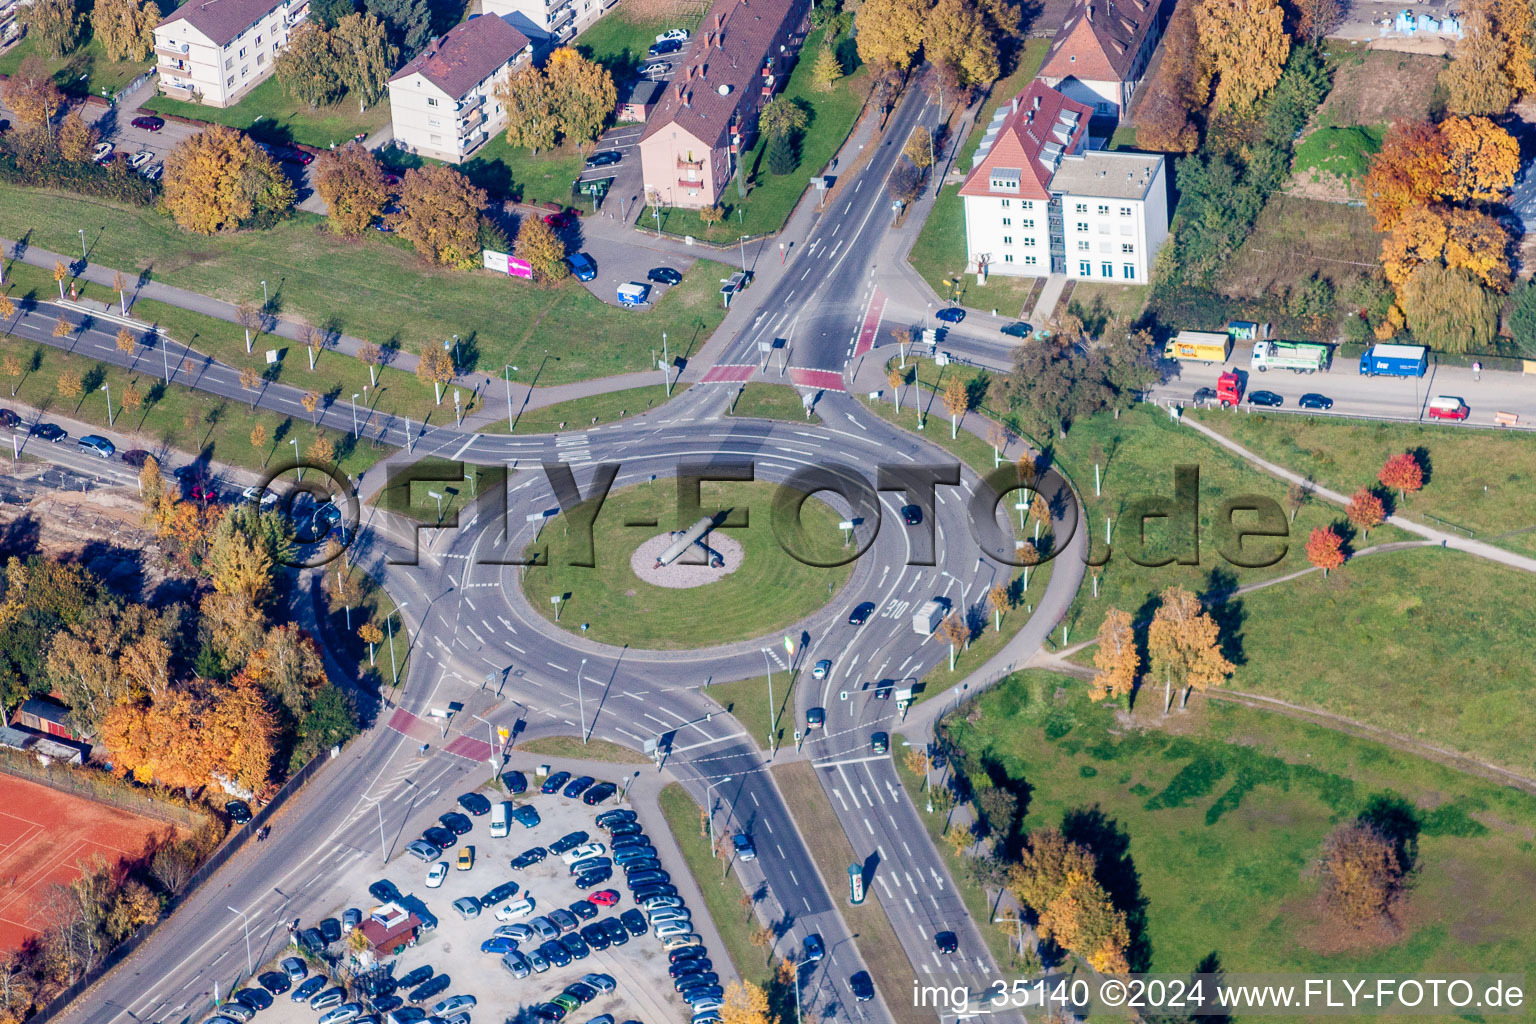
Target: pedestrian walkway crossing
(729, 373)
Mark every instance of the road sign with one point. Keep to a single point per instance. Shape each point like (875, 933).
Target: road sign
(502, 732)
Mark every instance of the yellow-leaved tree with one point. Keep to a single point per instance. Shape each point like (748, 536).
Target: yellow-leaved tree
(1116, 657)
(1184, 644)
(218, 179)
(1245, 44)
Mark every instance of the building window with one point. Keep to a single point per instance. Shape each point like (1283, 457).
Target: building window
(261, 59)
(258, 40)
(1108, 268)
(1030, 261)
(245, 70)
(1103, 210)
(1103, 229)
(1127, 248)
(1082, 246)
(1082, 208)
(229, 81)
(1029, 204)
(1006, 202)
(1106, 108)
(1130, 272)
(1007, 257)
(1029, 224)
(229, 63)
(1082, 225)
(242, 51)
(1125, 211)
(1085, 268)
(1029, 242)
(1007, 239)
(431, 102)
(1007, 222)
(436, 140)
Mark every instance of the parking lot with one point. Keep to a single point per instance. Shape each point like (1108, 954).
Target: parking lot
(450, 943)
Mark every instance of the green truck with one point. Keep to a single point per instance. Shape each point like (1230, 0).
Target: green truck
(1297, 356)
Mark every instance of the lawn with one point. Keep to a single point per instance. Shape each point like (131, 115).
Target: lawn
(1427, 643)
(749, 701)
(1125, 301)
(620, 39)
(770, 590)
(510, 172)
(1342, 153)
(376, 290)
(771, 402)
(413, 499)
(102, 76)
(589, 411)
(173, 416)
(271, 115)
(939, 252)
(1221, 827)
(823, 836)
(592, 750)
(1293, 239)
(336, 377)
(1480, 482)
(771, 197)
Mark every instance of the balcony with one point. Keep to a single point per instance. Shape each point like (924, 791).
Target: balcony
(690, 165)
(172, 64)
(692, 186)
(562, 17)
(472, 122)
(178, 90)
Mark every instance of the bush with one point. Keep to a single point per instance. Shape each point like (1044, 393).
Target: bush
(114, 181)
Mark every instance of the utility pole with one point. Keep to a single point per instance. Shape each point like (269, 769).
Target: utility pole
(581, 700)
(772, 746)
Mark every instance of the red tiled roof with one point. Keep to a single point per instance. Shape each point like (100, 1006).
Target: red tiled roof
(379, 936)
(728, 52)
(221, 20)
(466, 56)
(1103, 36)
(1023, 137)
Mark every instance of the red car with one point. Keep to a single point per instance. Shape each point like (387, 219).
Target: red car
(605, 898)
(562, 220)
(1445, 407)
(392, 180)
(149, 124)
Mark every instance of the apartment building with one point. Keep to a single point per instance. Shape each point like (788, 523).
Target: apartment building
(1100, 54)
(1039, 201)
(216, 51)
(556, 21)
(740, 56)
(443, 103)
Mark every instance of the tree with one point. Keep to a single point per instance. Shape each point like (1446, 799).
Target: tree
(1316, 18)
(1449, 309)
(1448, 237)
(960, 42)
(62, 328)
(526, 97)
(1181, 87)
(997, 599)
(584, 96)
(1402, 473)
(365, 56)
(1481, 159)
(126, 29)
(1325, 549)
(132, 397)
(953, 634)
(69, 384)
(782, 116)
(310, 66)
(890, 32)
(1116, 657)
(330, 12)
(919, 148)
(351, 182)
(1363, 875)
(826, 70)
(1184, 642)
(409, 22)
(11, 366)
(77, 138)
(957, 402)
(218, 179)
(1365, 510)
(125, 341)
(310, 400)
(746, 1003)
(372, 635)
(440, 215)
(259, 440)
(31, 93)
(1522, 318)
(1245, 45)
(1409, 172)
(782, 158)
(538, 243)
(321, 451)
(905, 184)
(8, 310)
(435, 367)
(1476, 81)
(55, 24)
(1056, 878)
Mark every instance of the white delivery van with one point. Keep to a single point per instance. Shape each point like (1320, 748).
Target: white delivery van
(501, 819)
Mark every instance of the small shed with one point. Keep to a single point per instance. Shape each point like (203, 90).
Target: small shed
(639, 100)
(389, 929)
(46, 716)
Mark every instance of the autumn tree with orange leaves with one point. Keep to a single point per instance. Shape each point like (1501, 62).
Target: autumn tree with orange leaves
(1116, 657)
(1365, 510)
(1184, 643)
(1056, 878)
(1325, 549)
(1402, 473)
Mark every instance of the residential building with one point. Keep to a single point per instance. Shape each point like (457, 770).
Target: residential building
(556, 21)
(707, 117)
(443, 103)
(1100, 53)
(216, 51)
(638, 99)
(1038, 201)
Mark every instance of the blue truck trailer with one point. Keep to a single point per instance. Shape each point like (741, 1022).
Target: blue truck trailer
(1394, 361)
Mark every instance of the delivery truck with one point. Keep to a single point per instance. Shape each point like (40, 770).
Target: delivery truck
(1296, 356)
(1229, 389)
(927, 617)
(1201, 346)
(1394, 361)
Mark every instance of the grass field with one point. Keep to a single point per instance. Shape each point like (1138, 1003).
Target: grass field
(748, 700)
(772, 402)
(89, 60)
(823, 836)
(1344, 153)
(722, 894)
(1221, 819)
(939, 252)
(510, 172)
(769, 591)
(271, 115)
(580, 413)
(376, 290)
(1123, 300)
(592, 750)
(1483, 482)
(771, 197)
(1295, 238)
(173, 416)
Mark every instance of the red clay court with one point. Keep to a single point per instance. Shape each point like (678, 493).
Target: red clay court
(47, 836)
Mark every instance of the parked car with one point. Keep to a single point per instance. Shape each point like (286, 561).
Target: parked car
(274, 981)
(578, 786)
(10, 419)
(152, 172)
(437, 874)
(238, 810)
(422, 850)
(238, 1012)
(585, 910)
(582, 852)
(350, 919)
(569, 841)
(255, 998)
(566, 218)
(745, 850)
(529, 857)
(416, 977)
(665, 47)
(619, 816)
(517, 963)
(49, 432)
(598, 793)
(466, 859)
(604, 158)
(1265, 398)
(625, 828)
(456, 823)
(428, 989)
(588, 879)
(467, 906)
(504, 891)
(306, 991)
(596, 936)
(634, 921)
(333, 996)
(655, 69)
(605, 897)
(342, 1014)
(1313, 400)
(149, 124)
(101, 152)
(330, 928)
(583, 268)
(475, 804)
(440, 837)
(516, 909)
(516, 783)
(679, 34)
(453, 1004)
(1203, 395)
(498, 944)
(664, 275)
(554, 782)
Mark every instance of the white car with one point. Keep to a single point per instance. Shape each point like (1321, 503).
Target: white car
(437, 874)
(517, 908)
(680, 34)
(583, 851)
(140, 158)
(103, 150)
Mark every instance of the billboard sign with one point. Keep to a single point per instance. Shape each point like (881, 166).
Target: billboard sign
(502, 263)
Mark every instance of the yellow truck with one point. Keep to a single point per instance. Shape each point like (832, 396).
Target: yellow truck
(1201, 346)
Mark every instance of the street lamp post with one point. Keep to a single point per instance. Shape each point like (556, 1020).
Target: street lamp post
(743, 242)
(84, 255)
(265, 301)
(355, 397)
(508, 377)
(383, 849)
(772, 746)
(581, 699)
(709, 811)
(250, 965)
(435, 496)
(295, 443)
(108, 389)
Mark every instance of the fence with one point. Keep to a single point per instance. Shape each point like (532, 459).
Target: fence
(236, 842)
(98, 786)
(133, 85)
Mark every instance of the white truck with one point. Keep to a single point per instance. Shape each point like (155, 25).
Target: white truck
(927, 617)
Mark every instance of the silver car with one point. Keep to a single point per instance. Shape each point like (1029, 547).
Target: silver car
(342, 1014)
(517, 963)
